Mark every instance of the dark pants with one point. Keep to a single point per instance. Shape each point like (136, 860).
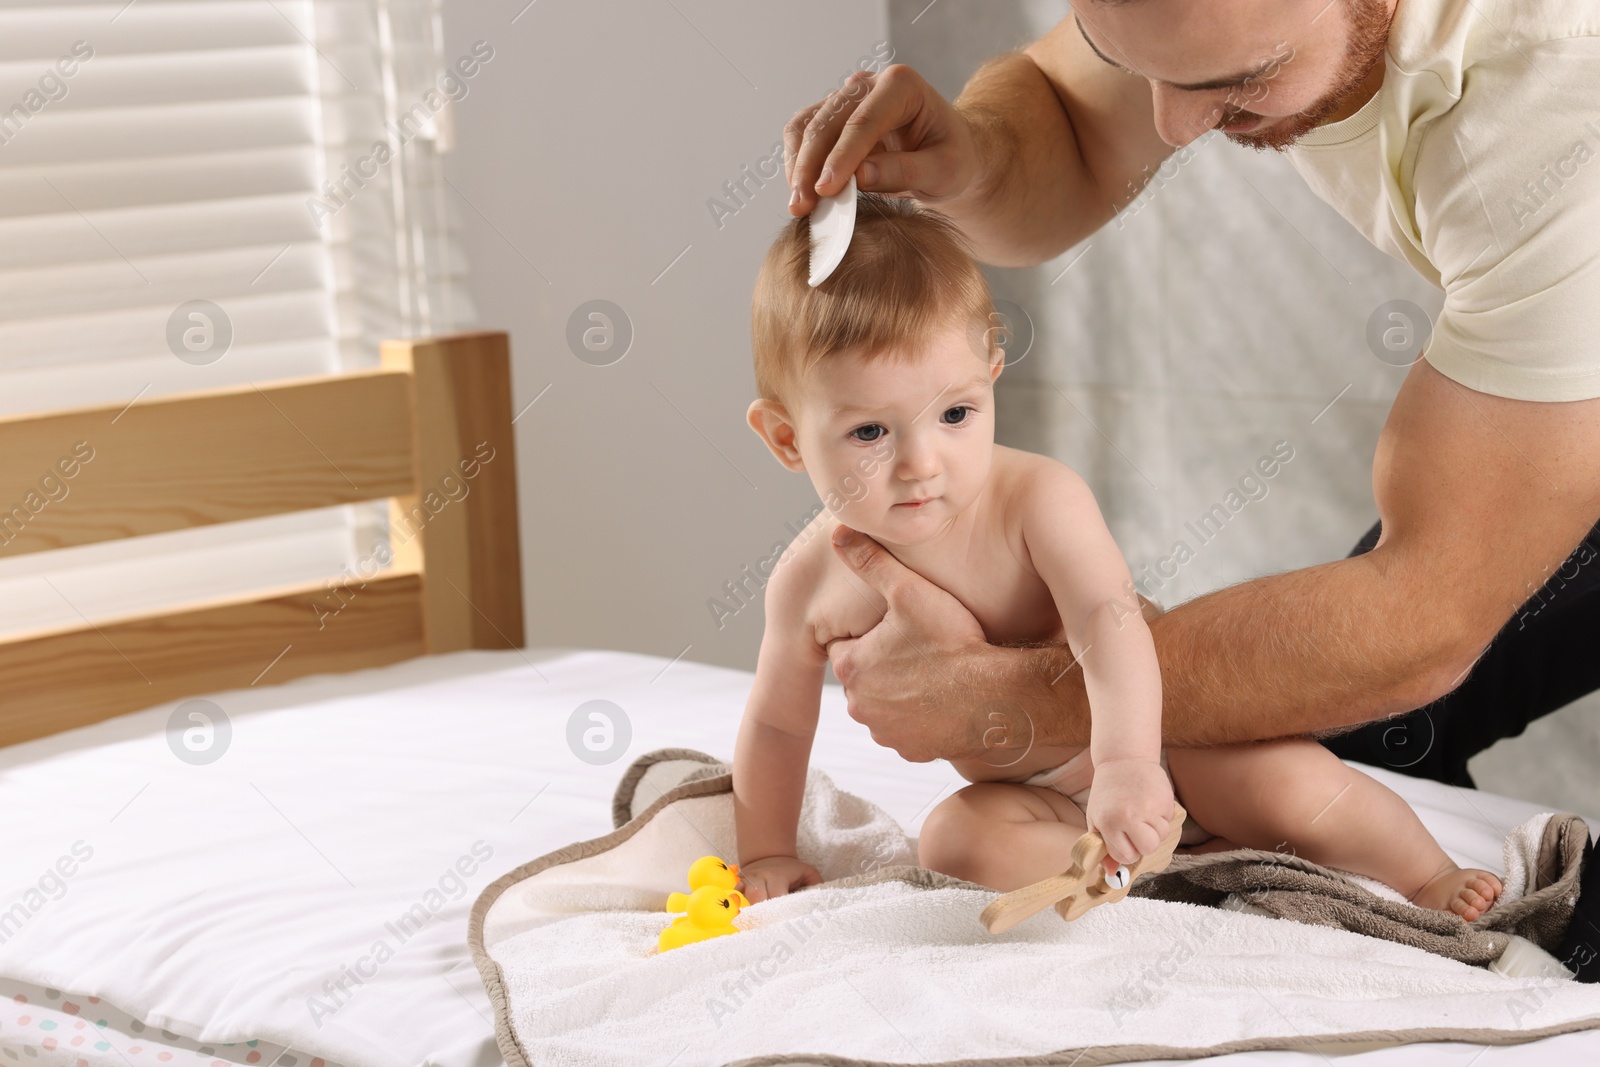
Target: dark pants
(1546, 657)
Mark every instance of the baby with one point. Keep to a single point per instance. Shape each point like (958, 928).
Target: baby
(879, 385)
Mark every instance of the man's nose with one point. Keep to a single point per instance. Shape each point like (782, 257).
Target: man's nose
(1182, 115)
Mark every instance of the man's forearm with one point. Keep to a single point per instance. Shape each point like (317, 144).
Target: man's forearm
(1306, 651)
(1034, 197)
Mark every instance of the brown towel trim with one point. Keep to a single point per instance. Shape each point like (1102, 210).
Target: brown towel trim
(622, 799)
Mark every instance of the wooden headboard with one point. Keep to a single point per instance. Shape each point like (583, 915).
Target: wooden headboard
(429, 430)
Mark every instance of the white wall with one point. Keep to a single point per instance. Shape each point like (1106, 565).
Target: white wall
(588, 149)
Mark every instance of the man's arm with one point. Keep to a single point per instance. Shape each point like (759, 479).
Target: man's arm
(1065, 141)
(1041, 149)
(1481, 499)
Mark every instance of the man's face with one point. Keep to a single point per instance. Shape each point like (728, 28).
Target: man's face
(1265, 72)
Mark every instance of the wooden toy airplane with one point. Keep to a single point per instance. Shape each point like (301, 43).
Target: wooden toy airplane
(1084, 884)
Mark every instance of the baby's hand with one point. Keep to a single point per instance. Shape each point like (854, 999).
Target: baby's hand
(1130, 804)
(775, 876)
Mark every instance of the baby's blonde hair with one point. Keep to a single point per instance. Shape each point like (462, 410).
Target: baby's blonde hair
(906, 275)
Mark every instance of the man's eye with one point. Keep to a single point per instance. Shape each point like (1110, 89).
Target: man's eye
(955, 416)
(868, 434)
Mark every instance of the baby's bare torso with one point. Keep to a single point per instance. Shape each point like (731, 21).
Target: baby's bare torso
(983, 563)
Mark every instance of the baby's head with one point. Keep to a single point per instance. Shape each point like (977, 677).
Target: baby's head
(878, 383)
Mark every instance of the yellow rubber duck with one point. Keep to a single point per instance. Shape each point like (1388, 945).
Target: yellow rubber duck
(711, 910)
(707, 870)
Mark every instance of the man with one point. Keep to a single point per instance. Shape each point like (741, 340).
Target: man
(1458, 135)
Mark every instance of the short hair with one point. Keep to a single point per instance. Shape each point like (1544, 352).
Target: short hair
(906, 275)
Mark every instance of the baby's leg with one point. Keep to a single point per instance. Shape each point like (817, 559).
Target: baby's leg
(1297, 793)
(1001, 835)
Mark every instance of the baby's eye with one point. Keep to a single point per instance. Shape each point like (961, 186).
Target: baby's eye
(955, 416)
(868, 434)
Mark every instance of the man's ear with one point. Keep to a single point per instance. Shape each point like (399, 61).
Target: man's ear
(770, 420)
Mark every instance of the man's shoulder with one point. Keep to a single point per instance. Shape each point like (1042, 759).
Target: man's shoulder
(1447, 38)
(1463, 75)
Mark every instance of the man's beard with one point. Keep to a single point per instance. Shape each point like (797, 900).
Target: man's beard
(1369, 35)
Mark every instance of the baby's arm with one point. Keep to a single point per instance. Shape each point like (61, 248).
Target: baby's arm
(1073, 551)
(774, 746)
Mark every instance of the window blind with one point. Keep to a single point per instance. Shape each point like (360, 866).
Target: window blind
(166, 168)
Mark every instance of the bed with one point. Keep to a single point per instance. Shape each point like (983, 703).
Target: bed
(303, 897)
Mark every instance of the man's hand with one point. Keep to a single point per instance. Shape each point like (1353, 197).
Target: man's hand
(905, 677)
(774, 876)
(1130, 804)
(892, 130)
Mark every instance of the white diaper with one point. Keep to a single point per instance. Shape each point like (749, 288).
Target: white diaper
(1075, 768)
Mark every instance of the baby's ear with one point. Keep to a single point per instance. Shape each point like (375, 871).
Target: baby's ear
(986, 346)
(771, 422)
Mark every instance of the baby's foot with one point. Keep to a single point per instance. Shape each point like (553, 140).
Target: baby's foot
(1467, 892)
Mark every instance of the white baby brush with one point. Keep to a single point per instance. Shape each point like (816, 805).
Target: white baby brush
(833, 220)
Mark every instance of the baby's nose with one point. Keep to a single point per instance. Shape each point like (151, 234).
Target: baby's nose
(919, 462)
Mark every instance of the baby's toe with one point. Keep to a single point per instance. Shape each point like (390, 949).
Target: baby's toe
(1485, 886)
(1477, 896)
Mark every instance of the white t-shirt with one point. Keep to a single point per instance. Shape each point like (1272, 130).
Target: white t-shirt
(1478, 163)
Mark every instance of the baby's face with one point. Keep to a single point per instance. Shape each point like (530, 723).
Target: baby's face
(898, 447)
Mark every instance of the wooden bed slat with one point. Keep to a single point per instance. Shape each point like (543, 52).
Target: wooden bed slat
(64, 679)
(462, 521)
(202, 458)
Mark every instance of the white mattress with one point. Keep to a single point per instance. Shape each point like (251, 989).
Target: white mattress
(221, 902)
